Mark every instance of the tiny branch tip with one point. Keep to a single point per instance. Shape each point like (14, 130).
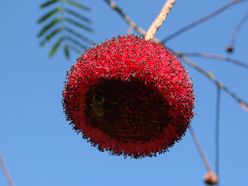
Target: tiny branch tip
(244, 106)
(150, 34)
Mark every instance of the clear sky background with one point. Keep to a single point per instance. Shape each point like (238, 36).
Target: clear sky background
(41, 149)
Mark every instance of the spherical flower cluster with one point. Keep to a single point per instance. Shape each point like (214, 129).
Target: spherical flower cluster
(129, 96)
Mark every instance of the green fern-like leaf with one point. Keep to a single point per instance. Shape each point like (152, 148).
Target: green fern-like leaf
(48, 26)
(56, 46)
(50, 36)
(49, 14)
(67, 51)
(78, 5)
(78, 24)
(66, 24)
(78, 16)
(48, 3)
(76, 42)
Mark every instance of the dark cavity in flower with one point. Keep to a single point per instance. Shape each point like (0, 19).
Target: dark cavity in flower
(127, 111)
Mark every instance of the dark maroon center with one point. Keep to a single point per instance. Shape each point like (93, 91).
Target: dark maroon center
(127, 111)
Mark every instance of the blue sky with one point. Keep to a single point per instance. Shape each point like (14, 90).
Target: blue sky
(41, 149)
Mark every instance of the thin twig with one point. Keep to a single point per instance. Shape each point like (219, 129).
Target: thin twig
(237, 29)
(199, 149)
(160, 19)
(201, 20)
(211, 77)
(217, 134)
(5, 171)
(127, 19)
(214, 56)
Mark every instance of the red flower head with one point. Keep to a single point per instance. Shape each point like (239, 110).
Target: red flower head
(129, 96)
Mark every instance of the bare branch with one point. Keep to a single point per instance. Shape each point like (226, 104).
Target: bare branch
(217, 132)
(215, 57)
(127, 19)
(237, 29)
(160, 19)
(199, 149)
(202, 20)
(5, 171)
(211, 77)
